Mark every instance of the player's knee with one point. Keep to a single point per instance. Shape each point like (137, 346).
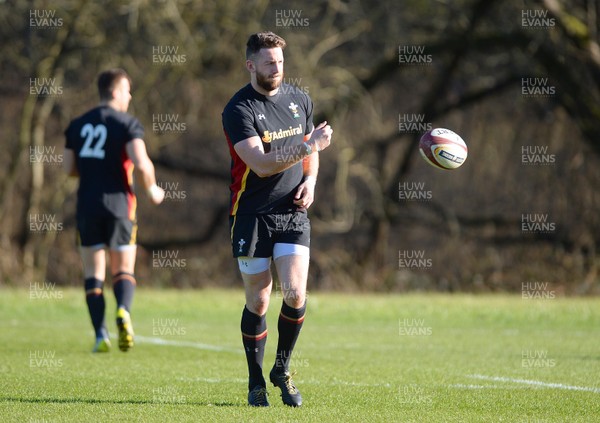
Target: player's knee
(259, 305)
(124, 276)
(294, 298)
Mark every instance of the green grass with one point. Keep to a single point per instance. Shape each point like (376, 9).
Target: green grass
(360, 358)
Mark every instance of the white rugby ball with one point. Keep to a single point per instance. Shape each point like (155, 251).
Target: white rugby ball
(443, 148)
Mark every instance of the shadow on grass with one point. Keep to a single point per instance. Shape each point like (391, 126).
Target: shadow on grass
(109, 401)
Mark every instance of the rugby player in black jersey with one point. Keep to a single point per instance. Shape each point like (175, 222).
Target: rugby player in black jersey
(274, 149)
(103, 148)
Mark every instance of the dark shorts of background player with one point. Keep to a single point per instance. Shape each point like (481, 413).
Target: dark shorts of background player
(106, 231)
(254, 235)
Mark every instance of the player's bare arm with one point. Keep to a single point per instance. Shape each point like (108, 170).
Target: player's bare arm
(136, 150)
(305, 195)
(251, 151)
(69, 165)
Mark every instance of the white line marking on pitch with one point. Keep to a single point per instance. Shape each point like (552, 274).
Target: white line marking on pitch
(197, 345)
(212, 380)
(537, 383)
(307, 381)
(471, 386)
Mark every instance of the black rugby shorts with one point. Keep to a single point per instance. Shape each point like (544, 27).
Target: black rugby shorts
(255, 235)
(106, 231)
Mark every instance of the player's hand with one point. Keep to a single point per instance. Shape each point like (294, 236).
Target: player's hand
(156, 194)
(321, 136)
(305, 195)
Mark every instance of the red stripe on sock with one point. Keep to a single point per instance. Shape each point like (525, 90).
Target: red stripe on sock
(124, 277)
(290, 319)
(255, 337)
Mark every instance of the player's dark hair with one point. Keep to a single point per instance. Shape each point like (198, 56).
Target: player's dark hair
(261, 40)
(108, 80)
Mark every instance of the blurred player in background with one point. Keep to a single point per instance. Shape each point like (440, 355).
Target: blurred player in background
(274, 150)
(103, 147)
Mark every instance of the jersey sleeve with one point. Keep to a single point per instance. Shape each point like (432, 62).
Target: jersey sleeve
(134, 130)
(238, 123)
(69, 142)
(309, 116)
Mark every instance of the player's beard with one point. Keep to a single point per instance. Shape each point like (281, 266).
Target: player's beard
(266, 83)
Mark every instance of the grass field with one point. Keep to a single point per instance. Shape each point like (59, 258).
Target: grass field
(360, 358)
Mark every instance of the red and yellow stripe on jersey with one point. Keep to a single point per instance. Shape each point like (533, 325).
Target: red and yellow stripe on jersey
(128, 168)
(239, 176)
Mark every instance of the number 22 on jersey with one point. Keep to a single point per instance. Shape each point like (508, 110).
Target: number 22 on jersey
(93, 133)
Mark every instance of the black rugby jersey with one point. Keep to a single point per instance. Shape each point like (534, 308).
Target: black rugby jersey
(98, 139)
(281, 121)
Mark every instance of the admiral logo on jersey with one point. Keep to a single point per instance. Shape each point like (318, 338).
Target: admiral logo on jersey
(277, 135)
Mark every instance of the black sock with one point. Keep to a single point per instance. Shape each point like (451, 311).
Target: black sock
(123, 287)
(254, 337)
(289, 326)
(94, 298)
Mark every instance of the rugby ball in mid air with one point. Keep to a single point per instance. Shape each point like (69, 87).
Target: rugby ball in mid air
(443, 148)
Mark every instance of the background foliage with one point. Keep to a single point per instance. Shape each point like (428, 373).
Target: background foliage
(347, 56)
